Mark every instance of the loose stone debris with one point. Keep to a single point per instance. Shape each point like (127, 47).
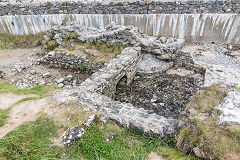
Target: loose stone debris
(75, 133)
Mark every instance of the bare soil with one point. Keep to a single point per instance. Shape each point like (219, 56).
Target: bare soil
(155, 156)
(7, 100)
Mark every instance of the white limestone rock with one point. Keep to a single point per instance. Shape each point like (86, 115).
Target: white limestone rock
(230, 108)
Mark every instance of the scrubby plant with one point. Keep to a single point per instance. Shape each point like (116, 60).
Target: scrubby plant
(81, 67)
(72, 35)
(51, 44)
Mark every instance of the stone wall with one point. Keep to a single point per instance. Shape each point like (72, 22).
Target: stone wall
(208, 28)
(68, 61)
(120, 7)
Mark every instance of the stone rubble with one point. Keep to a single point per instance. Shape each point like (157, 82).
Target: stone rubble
(73, 134)
(220, 67)
(68, 61)
(104, 81)
(163, 47)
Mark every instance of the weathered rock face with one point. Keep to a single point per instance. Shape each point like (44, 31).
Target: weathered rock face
(131, 7)
(151, 64)
(230, 108)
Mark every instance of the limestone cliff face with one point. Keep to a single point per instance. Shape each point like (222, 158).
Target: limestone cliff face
(219, 28)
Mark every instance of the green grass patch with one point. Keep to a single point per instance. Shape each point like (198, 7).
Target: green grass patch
(126, 145)
(10, 41)
(207, 99)
(40, 90)
(51, 44)
(31, 141)
(4, 115)
(97, 51)
(72, 35)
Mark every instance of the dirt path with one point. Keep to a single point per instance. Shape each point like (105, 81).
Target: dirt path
(9, 57)
(23, 112)
(155, 156)
(7, 100)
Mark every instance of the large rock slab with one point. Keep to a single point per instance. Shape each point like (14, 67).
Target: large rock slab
(230, 108)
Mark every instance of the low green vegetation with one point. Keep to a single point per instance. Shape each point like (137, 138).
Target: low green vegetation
(72, 35)
(9, 41)
(3, 116)
(81, 67)
(207, 99)
(103, 47)
(126, 145)
(31, 141)
(51, 44)
(204, 130)
(40, 90)
(97, 51)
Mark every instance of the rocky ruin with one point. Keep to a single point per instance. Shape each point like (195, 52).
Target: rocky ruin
(145, 87)
(99, 90)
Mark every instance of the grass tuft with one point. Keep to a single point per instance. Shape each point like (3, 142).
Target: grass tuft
(4, 115)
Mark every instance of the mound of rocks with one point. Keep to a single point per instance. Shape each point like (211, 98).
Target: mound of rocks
(73, 134)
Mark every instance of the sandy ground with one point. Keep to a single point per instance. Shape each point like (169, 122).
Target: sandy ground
(29, 111)
(155, 156)
(7, 100)
(9, 57)
(23, 112)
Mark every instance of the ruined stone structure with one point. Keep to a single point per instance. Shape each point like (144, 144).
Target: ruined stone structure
(97, 91)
